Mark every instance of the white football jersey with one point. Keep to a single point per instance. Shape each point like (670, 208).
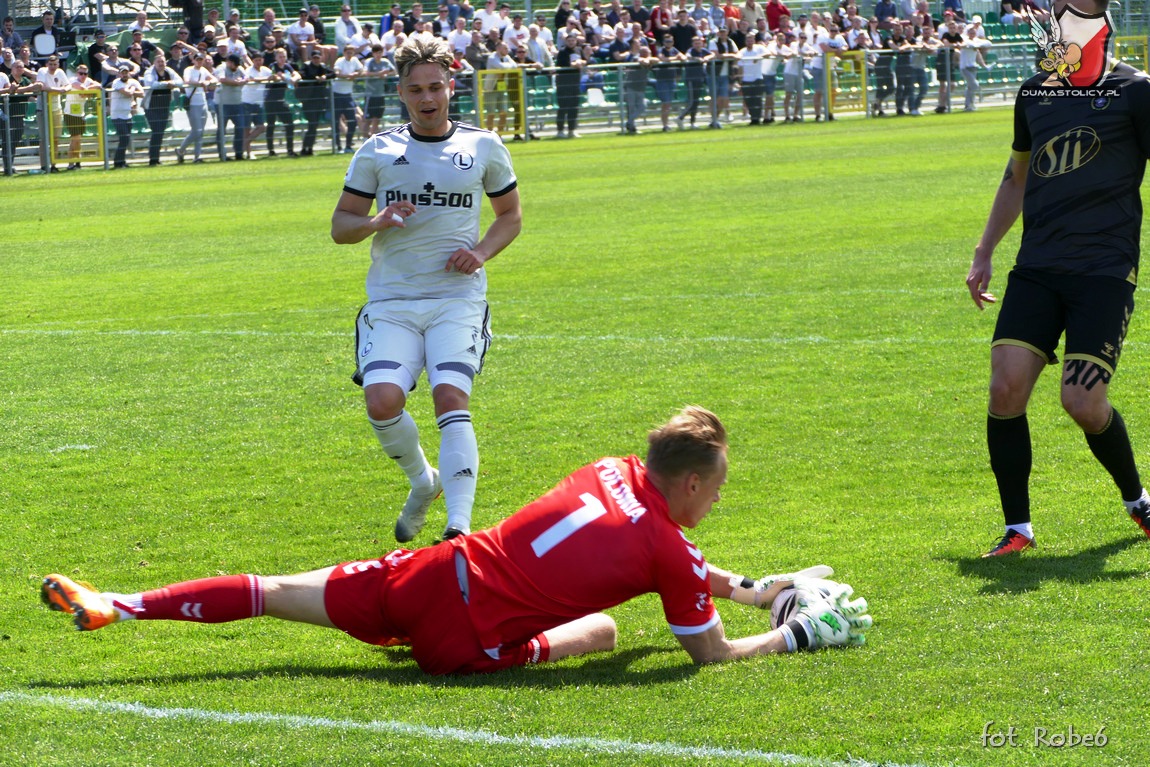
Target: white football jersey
(445, 178)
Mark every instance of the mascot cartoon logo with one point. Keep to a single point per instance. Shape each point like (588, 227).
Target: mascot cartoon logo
(1076, 47)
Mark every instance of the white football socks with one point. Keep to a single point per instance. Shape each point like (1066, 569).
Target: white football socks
(1024, 528)
(458, 466)
(125, 605)
(1132, 505)
(399, 438)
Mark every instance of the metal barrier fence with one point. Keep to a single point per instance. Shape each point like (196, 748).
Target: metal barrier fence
(38, 134)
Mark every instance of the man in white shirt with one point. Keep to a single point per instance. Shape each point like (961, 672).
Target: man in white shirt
(458, 38)
(301, 37)
(253, 99)
(56, 83)
(488, 17)
(515, 34)
(121, 106)
(347, 68)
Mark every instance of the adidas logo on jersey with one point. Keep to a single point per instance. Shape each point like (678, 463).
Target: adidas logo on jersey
(401, 160)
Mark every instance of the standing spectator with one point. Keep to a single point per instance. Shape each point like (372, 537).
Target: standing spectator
(5, 89)
(74, 104)
(955, 7)
(9, 37)
(902, 48)
(776, 49)
(970, 59)
(230, 101)
(695, 78)
(434, 253)
(376, 71)
(731, 13)
(282, 77)
(665, 75)
(751, 64)
(20, 91)
(495, 87)
(312, 95)
(570, 63)
(794, 80)
(925, 49)
(639, 62)
(347, 69)
(159, 80)
(121, 106)
(883, 68)
(726, 56)
(948, 65)
(774, 10)
(253, 96)
(301, 37)
(234, 22)
(55, 83)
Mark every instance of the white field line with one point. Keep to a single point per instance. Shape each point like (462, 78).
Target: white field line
(448, 734)
(604, 338)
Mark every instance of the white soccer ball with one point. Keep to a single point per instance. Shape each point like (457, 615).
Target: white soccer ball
(786, 604)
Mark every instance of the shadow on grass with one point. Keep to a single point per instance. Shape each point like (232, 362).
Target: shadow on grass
(1016, 574)
(605, 669)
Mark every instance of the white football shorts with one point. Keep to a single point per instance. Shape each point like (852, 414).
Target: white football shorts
(395, 339)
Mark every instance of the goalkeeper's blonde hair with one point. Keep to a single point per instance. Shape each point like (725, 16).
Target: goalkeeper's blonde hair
(691, 441)
(423, 49)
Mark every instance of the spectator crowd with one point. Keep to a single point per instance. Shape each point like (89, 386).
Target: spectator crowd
(774, 62)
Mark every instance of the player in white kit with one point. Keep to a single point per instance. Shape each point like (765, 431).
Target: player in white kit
(426, 287)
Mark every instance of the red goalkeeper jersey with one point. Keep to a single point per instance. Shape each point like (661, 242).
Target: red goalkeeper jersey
(599, 538)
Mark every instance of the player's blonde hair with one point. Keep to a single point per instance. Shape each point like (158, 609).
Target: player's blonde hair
(424, 49)
(691, 442)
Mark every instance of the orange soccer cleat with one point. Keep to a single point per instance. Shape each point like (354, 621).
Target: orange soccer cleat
(78, 599)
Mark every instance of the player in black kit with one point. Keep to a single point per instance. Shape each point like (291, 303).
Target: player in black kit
(1077, 162)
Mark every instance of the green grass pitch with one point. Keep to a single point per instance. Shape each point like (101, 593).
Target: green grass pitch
(175, 403)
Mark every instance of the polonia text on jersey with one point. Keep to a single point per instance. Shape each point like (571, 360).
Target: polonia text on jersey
(626, 501)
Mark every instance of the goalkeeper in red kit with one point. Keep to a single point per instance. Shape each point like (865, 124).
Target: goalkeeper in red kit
(532, 588)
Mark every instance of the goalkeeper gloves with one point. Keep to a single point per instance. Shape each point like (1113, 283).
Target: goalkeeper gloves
(827, 619)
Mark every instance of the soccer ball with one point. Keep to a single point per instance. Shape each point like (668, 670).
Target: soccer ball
(786, 604)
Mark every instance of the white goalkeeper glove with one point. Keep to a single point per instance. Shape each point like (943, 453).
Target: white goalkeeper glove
(755, 593)
(831, 620)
